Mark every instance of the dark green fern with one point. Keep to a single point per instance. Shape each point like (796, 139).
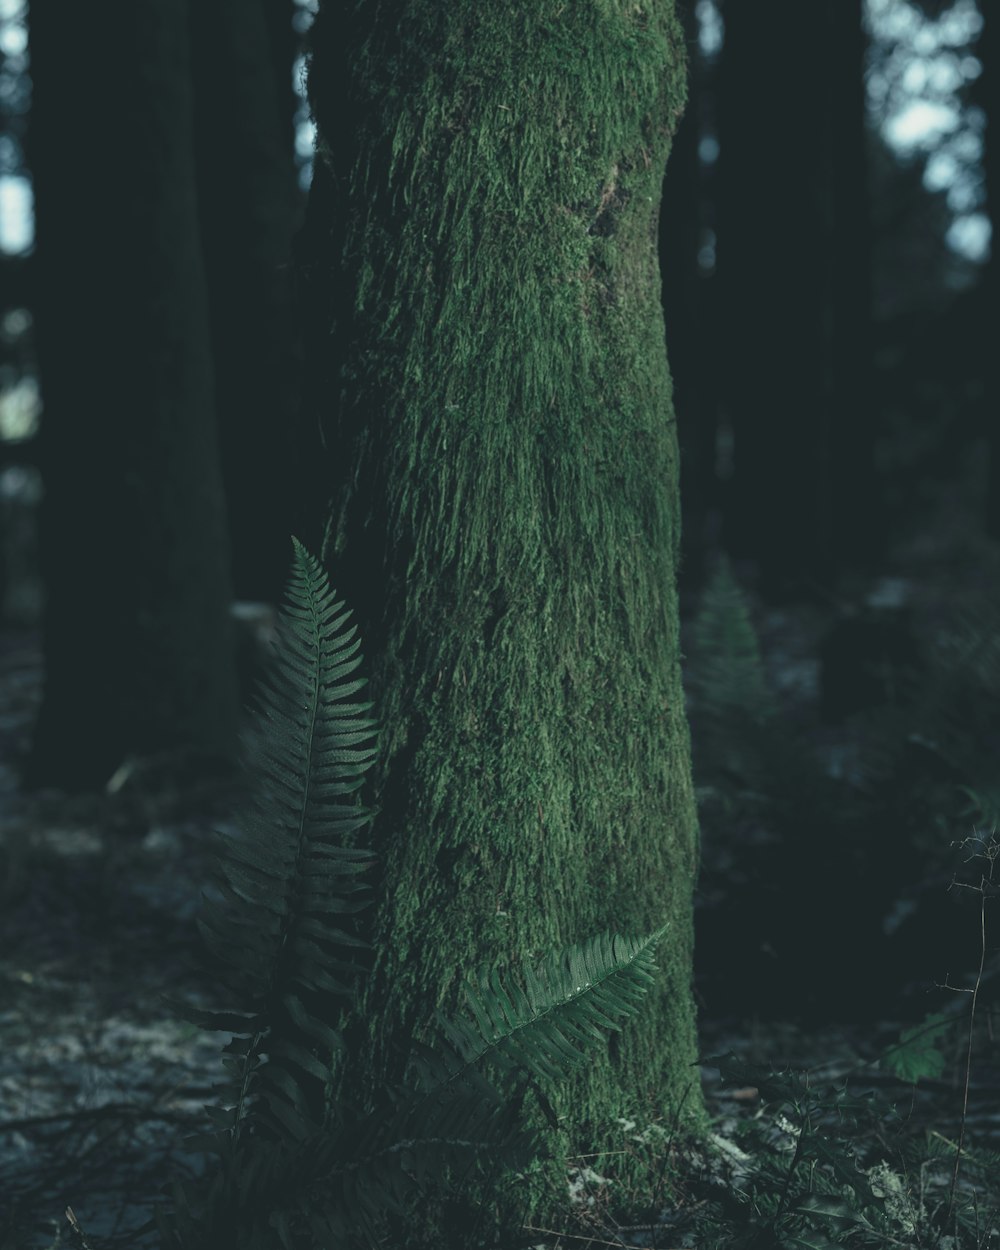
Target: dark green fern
(288, 1170)
(743, 747)
(731, 701)
(287, 879)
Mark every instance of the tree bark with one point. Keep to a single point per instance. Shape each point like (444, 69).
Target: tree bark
(989, 96)
(248, 207)
(505, 516)
(686, 301)
(793, 264)
(137, 637)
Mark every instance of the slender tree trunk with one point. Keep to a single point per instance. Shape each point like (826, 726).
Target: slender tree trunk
(135, 557)
(793, 261)
(248, 206)
(322, 304)
(505, 515)
(989, 95)
(853, 528)
(283, 42)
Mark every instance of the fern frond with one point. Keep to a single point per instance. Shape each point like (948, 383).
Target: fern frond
(452, 1118)
(287, 880)
(731, 706)
(289, 1173)
(729, 673)
(568, 1002)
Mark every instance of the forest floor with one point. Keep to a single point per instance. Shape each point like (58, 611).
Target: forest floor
(100, 1083)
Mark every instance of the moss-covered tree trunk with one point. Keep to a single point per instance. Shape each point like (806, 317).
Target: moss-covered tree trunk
(138, 647)
(505, 515)
(686, 306)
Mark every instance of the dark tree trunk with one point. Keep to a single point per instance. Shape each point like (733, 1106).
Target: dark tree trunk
(138, 645)
(283, 43)
(248, 202)
(505, 516)
(322, 303)
(853, 525)
(793, 261)
(990, 98)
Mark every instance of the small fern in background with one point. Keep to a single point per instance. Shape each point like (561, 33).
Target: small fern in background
(767, 812)
(954, 714)
(288, 1169)
(730, 697)
(918, 1052)
(747, 759)
(869, 807)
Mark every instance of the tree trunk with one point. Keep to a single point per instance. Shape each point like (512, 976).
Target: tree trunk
(793, 263)
(505, 512)
(686, 297)
(989, 97)
(135, 558)
(248, 204)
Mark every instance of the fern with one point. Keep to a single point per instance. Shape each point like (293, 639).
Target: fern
(731, 700)
(287, 1172)
(288, 882)
(958, 714)
(744, 750)
(568, 999)
(918, 1052)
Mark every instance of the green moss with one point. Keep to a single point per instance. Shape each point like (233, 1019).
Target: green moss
(508, 478)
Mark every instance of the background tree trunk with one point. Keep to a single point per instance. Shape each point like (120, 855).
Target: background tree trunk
(505, 517)
(793, 258)
(990, 99)
(322, 307)
(135, 557)
(248, 207)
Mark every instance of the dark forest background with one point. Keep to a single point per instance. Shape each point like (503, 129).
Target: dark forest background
(830, 298)
(831, 306)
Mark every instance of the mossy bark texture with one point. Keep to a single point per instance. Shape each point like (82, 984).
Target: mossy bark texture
(505, 510)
